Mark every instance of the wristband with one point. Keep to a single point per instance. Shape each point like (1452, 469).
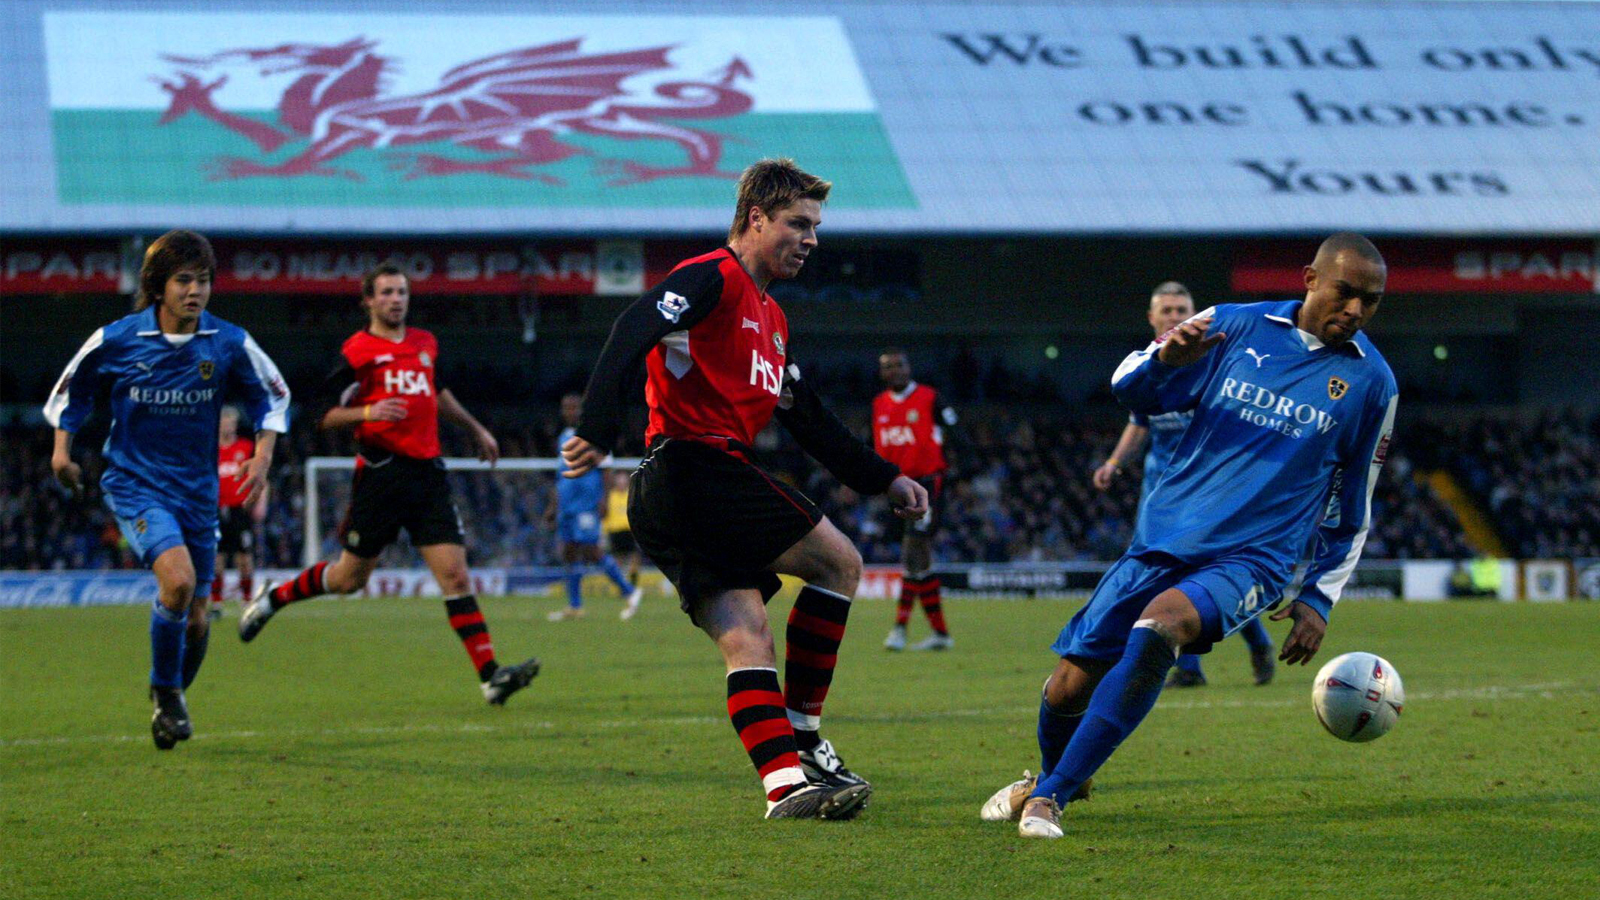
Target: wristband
(366, 413)
(1114, 462)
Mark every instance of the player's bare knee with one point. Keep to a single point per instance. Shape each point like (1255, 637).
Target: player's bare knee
(747, 646)
(455, 581)
(1174, 616)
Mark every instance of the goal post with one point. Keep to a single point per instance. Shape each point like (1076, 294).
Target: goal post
(311, 550)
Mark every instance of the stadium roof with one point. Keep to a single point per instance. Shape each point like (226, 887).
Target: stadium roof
(1120, 116)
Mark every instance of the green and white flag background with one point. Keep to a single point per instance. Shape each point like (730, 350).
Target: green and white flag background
(285, 85)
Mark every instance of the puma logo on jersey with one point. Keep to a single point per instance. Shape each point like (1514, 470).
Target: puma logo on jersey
(406, 382)
(752, 325)
(1258, 357)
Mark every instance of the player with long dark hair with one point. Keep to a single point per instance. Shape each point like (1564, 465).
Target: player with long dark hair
(168, 367)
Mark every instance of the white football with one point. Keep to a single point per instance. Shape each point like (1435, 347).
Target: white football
(1358, 697)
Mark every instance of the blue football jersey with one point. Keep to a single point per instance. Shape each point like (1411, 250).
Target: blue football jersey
(1165, 431)
(165, 402)
(1287, 439)
(580, 494)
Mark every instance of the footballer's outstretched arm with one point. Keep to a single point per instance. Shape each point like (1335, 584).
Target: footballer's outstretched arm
(71, 401)
(1343, 533)
(679, 303)
(451, 409)
(1133, 435)
(820, 433)
(1171, 373)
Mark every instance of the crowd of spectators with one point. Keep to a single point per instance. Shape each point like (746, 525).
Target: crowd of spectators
(1020, 491)
(1537, 476)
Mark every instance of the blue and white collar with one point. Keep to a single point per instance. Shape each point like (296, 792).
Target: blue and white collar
(1306, 338)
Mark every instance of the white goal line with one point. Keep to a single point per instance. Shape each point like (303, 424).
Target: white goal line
(311, 550)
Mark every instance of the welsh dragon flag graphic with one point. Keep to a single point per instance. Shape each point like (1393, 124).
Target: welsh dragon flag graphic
(399, 111)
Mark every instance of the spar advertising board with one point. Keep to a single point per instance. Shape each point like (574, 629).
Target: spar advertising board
(1107, 116)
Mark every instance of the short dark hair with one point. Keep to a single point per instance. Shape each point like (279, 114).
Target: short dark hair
(1348, 241)
(167, 254)
(894, 351)
(772, 184)
(369, 281)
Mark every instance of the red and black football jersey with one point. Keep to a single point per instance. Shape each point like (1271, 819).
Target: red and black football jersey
(720, 377)
(230, 472)
(373, 368)
(717, 358)
(718, 349)
(908, 429)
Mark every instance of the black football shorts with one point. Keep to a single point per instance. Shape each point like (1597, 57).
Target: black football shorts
(395, 492)
(712, 520)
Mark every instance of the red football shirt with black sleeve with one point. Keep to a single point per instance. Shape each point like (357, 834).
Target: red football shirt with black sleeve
(373, 368)
(230, 472)
(908, 429)
(716, 353)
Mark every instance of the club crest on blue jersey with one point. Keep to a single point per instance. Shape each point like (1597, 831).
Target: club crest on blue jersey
(141, 526)
(1337, 387)
(207, 369)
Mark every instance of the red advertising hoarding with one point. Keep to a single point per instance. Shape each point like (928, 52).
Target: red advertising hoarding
(300, 267)
(1467, 266)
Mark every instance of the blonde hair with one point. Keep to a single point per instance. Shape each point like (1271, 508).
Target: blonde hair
(770, 185)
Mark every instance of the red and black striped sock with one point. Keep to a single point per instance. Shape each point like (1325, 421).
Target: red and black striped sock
(909, 590)
(756, 708)
(304, 586)
(816, 626)
(246, 587)
(467, 620)
(932, 605)
(216, 588)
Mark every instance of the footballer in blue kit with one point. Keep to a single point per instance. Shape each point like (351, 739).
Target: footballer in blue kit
(168, 368)
(1170, 305)
(578, 508)
(1293, 413)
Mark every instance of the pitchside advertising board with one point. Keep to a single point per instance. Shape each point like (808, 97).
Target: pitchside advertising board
(422, 116)
(1373, 580)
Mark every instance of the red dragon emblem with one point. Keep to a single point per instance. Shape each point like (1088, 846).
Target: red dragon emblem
(515, 107)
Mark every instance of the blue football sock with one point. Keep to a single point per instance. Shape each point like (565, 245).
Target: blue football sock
(166, 646)
(1055, 730)
(1120, 702)
(1255, 634)
(574, 585)
(194, 653)
(1190, 662)
(608, 564)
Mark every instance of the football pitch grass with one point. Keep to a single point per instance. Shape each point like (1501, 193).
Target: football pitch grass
(348, 753)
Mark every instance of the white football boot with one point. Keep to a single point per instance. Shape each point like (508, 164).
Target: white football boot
(1041, 818)
(1006, 804)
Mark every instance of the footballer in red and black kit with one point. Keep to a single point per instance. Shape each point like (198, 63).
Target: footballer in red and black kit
(236, 520)
(386, 388)
(908, 429)
(716, 349)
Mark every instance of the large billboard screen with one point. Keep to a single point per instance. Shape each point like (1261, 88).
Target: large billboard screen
(1101, 117)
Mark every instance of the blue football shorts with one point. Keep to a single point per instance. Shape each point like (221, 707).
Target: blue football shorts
(1227, 593)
